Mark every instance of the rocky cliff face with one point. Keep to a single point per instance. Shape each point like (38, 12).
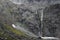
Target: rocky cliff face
(52, 20)
(29, 15)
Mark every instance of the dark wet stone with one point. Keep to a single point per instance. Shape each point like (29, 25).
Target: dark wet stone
(51, 21)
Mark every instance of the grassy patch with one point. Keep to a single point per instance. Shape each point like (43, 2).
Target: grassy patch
(5, 35)
(17, 32)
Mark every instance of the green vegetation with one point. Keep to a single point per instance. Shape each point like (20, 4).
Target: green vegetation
(18, 32)
(9, 28)
(6, 36)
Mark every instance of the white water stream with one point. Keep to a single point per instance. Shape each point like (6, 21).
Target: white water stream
(30, 33)
(26, 31)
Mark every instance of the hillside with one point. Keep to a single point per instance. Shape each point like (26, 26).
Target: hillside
(36, 16)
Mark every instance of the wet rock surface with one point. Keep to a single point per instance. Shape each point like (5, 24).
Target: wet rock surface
(52, 21)
(29, 15)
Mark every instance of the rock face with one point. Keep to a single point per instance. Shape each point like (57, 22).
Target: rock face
(29, 16)
(52, 21)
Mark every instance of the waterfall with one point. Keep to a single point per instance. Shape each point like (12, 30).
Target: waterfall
(24, 31)
(30, 33)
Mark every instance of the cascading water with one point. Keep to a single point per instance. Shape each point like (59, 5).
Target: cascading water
(26, 31)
